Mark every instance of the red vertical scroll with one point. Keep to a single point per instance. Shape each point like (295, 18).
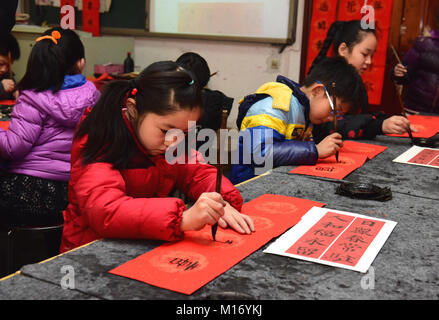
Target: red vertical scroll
(323, 14)
(90, 17)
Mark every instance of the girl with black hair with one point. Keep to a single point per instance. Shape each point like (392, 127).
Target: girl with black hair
(357, 45)
(121, 174)
(37, 144)
(214, 101)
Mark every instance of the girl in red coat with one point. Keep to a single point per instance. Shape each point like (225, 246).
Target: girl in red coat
(120, 178)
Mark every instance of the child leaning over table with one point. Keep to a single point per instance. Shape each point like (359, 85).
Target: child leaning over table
(287, 111)
(8, 47)
(37, 144)
(120, 178)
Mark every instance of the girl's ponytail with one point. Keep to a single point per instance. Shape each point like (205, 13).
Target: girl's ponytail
(108, 136)
(335, 28)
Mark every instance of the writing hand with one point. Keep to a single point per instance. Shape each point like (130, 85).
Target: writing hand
(400, 70)
(8, 85)
(207, 210)
(237, 221)
(397, 125)
(330, 145)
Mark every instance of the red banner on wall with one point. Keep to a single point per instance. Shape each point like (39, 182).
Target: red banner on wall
(325, 12)
(90, 16)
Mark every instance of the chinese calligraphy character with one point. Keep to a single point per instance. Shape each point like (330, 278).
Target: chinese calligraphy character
(306, 251)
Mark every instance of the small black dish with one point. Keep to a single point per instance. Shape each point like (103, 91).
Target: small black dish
(366, 191)
(427, 142)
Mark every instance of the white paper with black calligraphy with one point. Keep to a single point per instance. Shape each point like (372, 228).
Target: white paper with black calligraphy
(420, 156)
(336, 238)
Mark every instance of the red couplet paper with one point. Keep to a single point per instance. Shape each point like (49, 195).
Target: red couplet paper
(4, 125)
(187, 265)
(427, 126)
(337, 238)
(7, 102)
(351, 156)
(427, 157)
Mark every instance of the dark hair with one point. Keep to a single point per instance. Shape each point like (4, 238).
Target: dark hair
(348, 84)
(349, 32)
(197, 64)
(49, 62)
(162, 88)
(8, 43)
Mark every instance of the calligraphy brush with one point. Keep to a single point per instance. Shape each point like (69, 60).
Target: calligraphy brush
(219, 169)
(403, 113)
(10, 65)
(334, 108)
(401, 104)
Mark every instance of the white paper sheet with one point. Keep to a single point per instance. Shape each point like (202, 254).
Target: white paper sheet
(316, 216)
(420, 156)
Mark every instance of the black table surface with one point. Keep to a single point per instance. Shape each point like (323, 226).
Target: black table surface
(405, 268)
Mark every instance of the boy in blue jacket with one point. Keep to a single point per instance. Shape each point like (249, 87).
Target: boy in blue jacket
(280, 115)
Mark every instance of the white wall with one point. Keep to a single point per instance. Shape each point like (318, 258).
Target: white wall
(242, 67)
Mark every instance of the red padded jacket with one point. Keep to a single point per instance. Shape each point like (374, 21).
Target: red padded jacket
(133, 203)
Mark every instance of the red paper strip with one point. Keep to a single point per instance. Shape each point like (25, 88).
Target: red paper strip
(7, 102)
(337, 238)
(4, 125)
(427, 126)
(314, 243)
(352, 156)
(187, 265)
(370, 150)
(426, 156)
(324, 13)
(90, 16)
(330, 168)
(354, 241)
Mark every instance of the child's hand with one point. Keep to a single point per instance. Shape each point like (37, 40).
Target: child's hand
(400, 70)
(397, 125)
(8, 85)
(330, 145)
(237, 221)
(207, 210)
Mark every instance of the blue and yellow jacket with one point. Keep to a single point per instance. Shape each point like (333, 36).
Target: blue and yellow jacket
(283, 109)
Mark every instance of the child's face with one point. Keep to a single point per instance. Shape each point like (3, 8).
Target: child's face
(4, 65)
(361, 54)
(152, 129)
(320, 107)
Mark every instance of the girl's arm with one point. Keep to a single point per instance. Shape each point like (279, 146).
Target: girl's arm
(195, 179)
(23, 131)
(101, 196)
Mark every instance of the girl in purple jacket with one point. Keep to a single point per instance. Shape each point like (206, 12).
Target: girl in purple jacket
(420, 73)
(36, 147)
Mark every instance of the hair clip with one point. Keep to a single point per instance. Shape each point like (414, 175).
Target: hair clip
(192, 82)
(134, 92)
(54, 37)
